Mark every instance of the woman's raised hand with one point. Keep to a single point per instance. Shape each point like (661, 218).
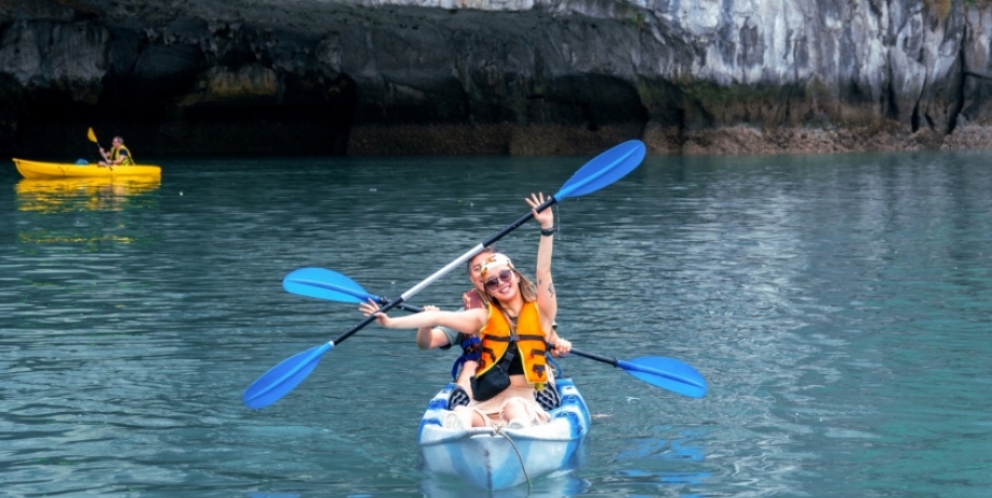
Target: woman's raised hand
(547, 217)
(372, 308)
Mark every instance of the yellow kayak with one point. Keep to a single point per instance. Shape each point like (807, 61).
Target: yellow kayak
(35, 169)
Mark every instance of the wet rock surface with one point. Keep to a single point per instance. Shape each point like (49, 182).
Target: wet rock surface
(522, 77)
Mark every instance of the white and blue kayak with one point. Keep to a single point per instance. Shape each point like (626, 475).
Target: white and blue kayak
(491, 458)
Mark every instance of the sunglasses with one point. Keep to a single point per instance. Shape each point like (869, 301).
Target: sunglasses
(505, 275)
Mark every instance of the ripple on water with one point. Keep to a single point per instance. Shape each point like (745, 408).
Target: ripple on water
(836, 306)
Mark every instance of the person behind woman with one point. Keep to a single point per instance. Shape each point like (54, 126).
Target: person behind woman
(515, 329)
(444, 337)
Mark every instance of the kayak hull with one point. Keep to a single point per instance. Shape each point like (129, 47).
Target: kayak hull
(498, 459)
(41, 170)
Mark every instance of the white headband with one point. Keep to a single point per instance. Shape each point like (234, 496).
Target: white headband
(495, 260)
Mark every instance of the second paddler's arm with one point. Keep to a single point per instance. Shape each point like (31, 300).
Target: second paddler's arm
(432, 337)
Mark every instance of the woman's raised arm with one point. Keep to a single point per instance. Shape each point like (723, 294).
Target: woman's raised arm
(547, 303)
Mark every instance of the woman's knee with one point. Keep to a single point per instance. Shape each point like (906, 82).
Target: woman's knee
(515, 408)
(471, 417)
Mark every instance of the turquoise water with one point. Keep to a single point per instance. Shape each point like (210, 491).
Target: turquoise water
(839, 306)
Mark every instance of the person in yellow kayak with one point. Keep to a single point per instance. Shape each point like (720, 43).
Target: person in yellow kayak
(445, 338)
(119, 154)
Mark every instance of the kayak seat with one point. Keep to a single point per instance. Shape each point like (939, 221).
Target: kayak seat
(458, 397)
(548, 398)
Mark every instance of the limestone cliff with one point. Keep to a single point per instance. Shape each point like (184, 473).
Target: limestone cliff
(494, 76)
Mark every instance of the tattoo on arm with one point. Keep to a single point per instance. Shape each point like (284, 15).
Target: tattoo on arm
(551, 289)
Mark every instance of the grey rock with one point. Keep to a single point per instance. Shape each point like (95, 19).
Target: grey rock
(501, 76)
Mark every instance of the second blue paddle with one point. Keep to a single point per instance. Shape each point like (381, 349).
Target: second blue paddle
(666, 373)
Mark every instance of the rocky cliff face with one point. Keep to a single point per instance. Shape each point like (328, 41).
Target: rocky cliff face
(494, 76)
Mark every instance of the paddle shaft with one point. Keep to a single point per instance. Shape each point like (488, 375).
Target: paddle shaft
(475, 250)
(402, 306)
(447, 269)
(92, 135)
(604, 359)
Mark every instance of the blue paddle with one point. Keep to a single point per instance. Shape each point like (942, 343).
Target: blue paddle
(602, 171)
(332, 286)
(666, 373)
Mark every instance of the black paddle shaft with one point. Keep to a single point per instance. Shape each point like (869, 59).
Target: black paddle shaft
(513, 226)
(604, 359)
(369, 319)
(403, 306)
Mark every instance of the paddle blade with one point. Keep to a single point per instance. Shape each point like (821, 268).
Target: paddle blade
(603, 170)
(90, 135)
(326, 284)
(667, 373)
(283, 378)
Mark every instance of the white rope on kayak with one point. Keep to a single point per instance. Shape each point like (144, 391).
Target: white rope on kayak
(498, 430)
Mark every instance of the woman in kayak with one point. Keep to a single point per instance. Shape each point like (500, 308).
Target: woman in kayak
(515, 331)
(465, 366)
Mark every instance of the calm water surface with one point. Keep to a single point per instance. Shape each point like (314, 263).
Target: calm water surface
(839, 306)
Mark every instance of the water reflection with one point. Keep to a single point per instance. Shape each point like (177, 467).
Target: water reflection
(684, 446)
(558, 484)
(89, 211)
(61, 195)
(561, 483)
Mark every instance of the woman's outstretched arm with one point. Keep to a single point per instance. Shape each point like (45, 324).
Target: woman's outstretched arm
(466, 322)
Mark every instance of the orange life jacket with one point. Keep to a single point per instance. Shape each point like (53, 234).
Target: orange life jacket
(496, 336)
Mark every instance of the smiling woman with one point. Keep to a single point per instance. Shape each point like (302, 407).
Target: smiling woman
(514, 329)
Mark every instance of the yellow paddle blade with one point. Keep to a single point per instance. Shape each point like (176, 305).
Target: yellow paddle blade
(91, 135)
